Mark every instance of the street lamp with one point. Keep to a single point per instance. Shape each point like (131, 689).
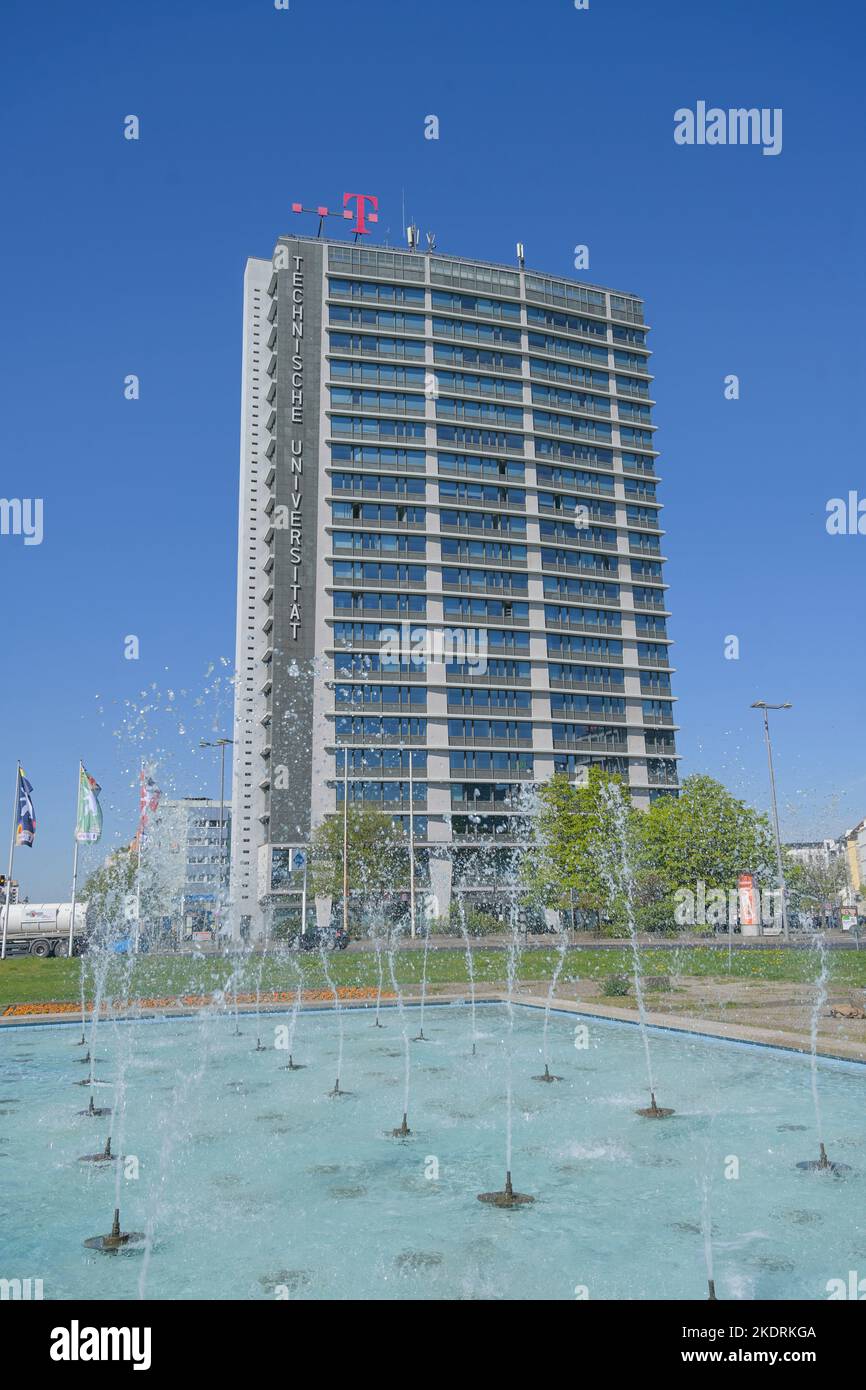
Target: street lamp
(221, 744)
(765, 707)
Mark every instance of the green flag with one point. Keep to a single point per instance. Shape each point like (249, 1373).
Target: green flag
(88, 825)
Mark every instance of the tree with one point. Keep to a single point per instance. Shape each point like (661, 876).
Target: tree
(378, 858)
(815, 883)
(704, 835)
(582, 835)
(106, 888)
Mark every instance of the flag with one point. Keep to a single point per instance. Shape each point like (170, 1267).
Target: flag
(148, 799)
(88, 822)
(26, 830)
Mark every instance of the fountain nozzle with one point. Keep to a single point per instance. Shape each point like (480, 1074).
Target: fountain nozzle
(292, 1065)
(653, 1111)
(403, 1131)
(711, 1296)
(94, 1111)
(547, 1076)
(105, 1157)
(507, 1198)
(116, 1240)
(823, 1164)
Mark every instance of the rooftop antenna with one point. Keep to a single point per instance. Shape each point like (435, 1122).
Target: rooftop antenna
(431, 241)
(412, 235)
(521, 261)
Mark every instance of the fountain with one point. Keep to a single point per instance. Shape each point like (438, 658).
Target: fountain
(470, 966)
(292, 1065)
(377, 946)
(617, 870)
(340, 1025)
(232, 982)
(547, 1075)
(215, 1161)
(82, 1040)
(822, 1163)
(259, 1047)
(403, 1131)
(706, 1216)
(508, 1198)
(420, 1037)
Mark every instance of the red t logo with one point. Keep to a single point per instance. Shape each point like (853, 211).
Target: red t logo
(360, 199)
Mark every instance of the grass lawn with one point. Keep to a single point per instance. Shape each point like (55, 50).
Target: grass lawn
(28, 980)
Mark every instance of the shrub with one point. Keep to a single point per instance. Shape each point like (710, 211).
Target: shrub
(616, 986)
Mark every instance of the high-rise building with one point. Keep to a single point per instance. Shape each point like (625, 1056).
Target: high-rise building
(461, 453)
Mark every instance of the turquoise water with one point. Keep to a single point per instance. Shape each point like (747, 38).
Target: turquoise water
(253, 1183)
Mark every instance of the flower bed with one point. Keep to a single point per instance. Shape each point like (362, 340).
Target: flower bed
(350, 993)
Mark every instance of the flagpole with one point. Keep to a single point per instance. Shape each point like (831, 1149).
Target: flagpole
(11, 861)
(75, 860)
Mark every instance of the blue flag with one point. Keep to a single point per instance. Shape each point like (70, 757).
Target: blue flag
(26, 832)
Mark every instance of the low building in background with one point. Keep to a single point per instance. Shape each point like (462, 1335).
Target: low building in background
(186, 863)
(854, 846)
(815, 854)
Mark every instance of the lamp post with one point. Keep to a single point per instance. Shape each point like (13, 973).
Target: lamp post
(221, 744)
(765, 708)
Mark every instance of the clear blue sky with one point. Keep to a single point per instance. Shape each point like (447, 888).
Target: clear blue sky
(556, 129)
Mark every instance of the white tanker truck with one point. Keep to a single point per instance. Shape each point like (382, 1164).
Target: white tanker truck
(42, 929)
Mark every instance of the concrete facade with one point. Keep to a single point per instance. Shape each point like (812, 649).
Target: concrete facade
(462, 454)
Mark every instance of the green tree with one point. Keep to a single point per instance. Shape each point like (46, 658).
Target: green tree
(704, 834)
(105, 889)
(814, 883)
(378, 855)
(577, 845)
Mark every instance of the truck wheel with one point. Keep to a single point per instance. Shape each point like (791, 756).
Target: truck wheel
(40, 948)
(61, 948)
